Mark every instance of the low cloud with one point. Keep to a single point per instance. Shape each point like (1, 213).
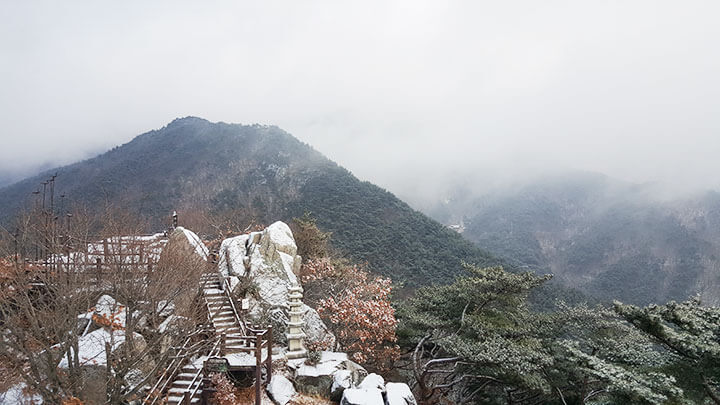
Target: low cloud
(402, 93)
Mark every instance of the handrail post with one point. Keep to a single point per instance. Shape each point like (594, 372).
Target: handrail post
(186, 398)
(269, 353)
(223, 337)
(258, 369)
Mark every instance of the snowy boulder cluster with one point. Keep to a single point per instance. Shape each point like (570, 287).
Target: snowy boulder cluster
(339, 379)
(373, 391)
(262, 267)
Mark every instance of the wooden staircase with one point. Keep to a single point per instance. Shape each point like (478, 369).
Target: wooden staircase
(186, 386)
(232, 337)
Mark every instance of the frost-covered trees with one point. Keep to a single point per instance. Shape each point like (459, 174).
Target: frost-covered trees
(690, 333)
(476, 337)
(476, 340)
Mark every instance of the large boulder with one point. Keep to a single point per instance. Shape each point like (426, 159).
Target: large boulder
(267, 259)
(315, 329)
(263, 267)
(233, 255)
(91, 347)
(399, 394)
(328, 375)
(188, 242)
(362, 396)
(342, 380)
(373, 381)
(281, 389)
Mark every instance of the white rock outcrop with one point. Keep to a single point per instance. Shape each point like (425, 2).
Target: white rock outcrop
(342, 380)
(362, 396)
(281, 389)
(195, 242)
(188, 241)
(91, 347)
(327, 375)
(373, 381)
(399, 394)
(268, 261)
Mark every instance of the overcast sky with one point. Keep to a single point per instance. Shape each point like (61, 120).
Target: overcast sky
(396, 91)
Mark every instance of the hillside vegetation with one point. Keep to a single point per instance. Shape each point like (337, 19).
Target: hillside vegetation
(609, 239)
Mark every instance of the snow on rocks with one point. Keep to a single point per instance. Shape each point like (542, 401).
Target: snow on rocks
(195, 242)
(373, 381)
(273, 263)
(91, 347)
(186, 240)
(318, 379)
(373, 391)
(315, 328)
(17, 394)
(269, 260)
(233, 260)
(109, 312)
(281, 389)
(399, 394)
(362, 396)
(339, 379)
(342, 380)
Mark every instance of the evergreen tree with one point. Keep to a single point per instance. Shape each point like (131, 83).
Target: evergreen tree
(690, 332)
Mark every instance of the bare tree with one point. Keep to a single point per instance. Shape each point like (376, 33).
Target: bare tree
(45, 304)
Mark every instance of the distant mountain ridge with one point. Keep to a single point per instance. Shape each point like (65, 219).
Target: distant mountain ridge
(192, 162)
(607, 238)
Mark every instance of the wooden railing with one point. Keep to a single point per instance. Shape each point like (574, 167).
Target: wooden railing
(240, 322)
(155, 395)
(191, 391)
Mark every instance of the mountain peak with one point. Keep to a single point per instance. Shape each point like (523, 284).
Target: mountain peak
(189, 120)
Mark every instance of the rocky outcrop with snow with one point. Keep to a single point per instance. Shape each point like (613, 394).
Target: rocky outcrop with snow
(333, 373)
(91, 347)
(187, 241)
(362, 396)
(373, 391)
(399, 394)
(281, 389)
(262, 266)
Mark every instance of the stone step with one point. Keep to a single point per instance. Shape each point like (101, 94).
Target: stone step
(186, 375)
(180, 391)
(228, 317)
(219, 304)
(175, 400)
(223, 327)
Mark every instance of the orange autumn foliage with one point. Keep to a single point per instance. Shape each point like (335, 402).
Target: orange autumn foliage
(357, 308)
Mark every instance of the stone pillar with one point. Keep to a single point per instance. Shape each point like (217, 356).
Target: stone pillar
(295, 335)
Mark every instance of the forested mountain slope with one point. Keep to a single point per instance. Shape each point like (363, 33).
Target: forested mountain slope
(610, 239)
(193, 164)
